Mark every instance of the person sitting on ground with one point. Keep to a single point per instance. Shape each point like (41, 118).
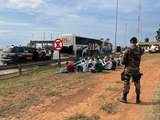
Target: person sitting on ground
(105, 60)
(108, 64)
(114, 64)
(98, 67)
(94, 61)
(100, 60)
(77, 66)
(70, 67)
(118, 60)
(83, 65)
(90, 62)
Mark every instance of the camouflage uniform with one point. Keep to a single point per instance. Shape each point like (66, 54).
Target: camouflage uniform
(131, 60)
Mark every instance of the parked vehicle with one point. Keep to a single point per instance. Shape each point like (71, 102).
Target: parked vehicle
(19, 54)
(79, 46)
(153, 49)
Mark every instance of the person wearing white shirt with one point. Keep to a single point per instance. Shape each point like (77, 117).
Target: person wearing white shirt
(84, 65)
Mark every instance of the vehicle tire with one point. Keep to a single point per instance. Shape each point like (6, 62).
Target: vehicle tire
(7, 64)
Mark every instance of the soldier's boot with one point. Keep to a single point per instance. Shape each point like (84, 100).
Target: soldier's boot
(138, 99)
(123, 99)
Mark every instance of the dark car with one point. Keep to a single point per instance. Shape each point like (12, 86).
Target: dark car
(19, 54)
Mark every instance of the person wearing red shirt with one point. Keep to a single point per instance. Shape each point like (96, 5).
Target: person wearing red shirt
(70, 67)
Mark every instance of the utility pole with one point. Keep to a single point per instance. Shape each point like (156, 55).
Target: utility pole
(44, 37)
(32, 37)
(116, 25)
(139, 20)
(51, 37)
(125, 34)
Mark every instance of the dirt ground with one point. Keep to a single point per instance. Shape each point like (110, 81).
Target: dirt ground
(104, 88)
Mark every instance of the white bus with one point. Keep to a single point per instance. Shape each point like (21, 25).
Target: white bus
(78, 46)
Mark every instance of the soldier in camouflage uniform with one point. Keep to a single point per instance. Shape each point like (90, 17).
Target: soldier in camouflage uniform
(131, 60)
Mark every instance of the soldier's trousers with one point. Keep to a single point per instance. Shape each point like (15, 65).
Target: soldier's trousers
(136, 81)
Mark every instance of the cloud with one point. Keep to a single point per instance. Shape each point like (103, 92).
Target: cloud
(53, 8)
(8, 23)
(25, 5)
(92, 18)
(105, 5)
(5, 31)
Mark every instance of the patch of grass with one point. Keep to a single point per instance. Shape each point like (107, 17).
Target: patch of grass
(17, 108)
(110, 108)
(94, 117)
(24, 82)
(82, 117)
(113, 88)
(153, 113)
(1, 99)
(40, 79)
(119, 81)
(16, 92)
(52, 92)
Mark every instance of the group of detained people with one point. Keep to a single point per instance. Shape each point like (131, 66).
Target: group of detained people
(93, 65)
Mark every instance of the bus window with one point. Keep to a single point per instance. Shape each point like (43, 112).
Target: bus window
(67, 50)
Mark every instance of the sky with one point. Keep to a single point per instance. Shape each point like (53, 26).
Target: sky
(24, 20)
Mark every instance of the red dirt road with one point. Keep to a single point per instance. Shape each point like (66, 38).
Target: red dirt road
(88, 99)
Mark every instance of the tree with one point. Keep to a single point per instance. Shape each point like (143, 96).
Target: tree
(158, 35)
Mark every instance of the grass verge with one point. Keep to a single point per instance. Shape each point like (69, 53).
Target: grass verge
(153, 113)
(19, 92)
(113, 88)
(17, 108)
(110, 108)
(81, 116)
